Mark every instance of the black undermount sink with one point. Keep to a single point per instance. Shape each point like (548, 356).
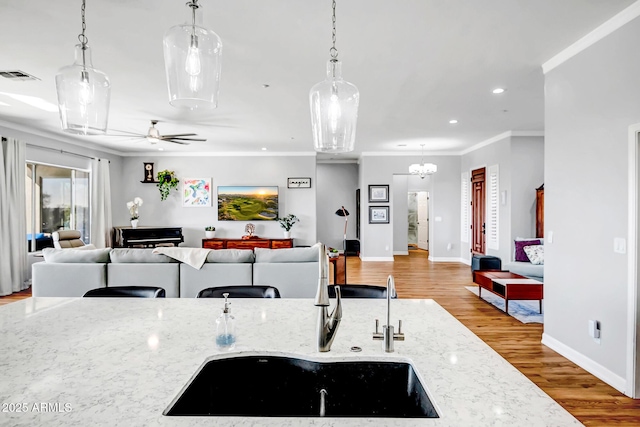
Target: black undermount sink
(281, 386)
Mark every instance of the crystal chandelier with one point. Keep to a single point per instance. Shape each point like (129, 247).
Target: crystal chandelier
(422, 169)
(192, 62)
(83, 92)
(334, 107)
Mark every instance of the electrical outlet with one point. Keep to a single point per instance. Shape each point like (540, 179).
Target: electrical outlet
(620, 245)
(549, 237)
(386, 248)
(594, 330)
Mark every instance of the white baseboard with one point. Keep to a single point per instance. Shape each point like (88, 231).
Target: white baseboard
(401, 252)
(615, 381)
(376, 258)
(466, 261)
(447, 259)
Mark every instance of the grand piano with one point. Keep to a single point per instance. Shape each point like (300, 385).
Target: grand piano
(146, 237)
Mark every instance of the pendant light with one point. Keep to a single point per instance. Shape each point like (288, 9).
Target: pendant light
(192, 62)
(422, 169)
(83, 92)
(334, 107)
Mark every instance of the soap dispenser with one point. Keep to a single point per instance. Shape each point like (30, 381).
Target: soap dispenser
(225, 327)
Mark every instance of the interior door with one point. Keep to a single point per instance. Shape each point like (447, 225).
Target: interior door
(423, 220)
(478, 195)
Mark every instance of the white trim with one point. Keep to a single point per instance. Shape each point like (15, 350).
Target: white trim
(600, 32)
(376, 258)
(500, 137)
(336, 161)
(447, 259)
(584, 362)
(407, 153)
(220, 154)
(632, 265)
(492, 207)
(401, 252)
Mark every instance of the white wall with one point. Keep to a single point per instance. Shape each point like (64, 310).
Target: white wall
(223, 170)
(591, 100)
(336, 187)
(527, 174)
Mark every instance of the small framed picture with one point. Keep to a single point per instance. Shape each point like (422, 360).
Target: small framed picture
(378, 193)
(298, 182)
(378, 214)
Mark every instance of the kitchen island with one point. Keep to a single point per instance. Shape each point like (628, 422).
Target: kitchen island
(108, 361)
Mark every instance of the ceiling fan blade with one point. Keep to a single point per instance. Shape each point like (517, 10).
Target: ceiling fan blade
(182, 139)
(176, 141)
(179, 135)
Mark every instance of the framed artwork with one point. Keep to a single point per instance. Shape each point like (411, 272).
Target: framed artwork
(298, 182)
(247, 203)
(196, 192)
(378, 214)
(378, 193)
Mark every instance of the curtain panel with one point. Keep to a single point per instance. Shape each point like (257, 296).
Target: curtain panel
(101, 223)
(13, 217)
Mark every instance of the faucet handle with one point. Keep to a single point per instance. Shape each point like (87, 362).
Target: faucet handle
(399, 336)
(377, 335)
(377, 325)
(399, 326)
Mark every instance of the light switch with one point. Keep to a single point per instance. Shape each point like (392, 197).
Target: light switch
(438, 219)
(549, 237)
(620, 245)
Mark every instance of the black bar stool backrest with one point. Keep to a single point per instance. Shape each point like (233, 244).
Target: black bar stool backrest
(240, 291)
(127, 292)
(359, 291)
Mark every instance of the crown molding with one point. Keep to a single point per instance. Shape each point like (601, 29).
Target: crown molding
(600, 32)
(408, 153)
(500, 137)
(221, 154)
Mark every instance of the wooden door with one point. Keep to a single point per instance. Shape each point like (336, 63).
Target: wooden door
(423, 220)
(478, 196)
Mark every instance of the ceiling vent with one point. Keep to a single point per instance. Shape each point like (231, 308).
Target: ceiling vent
(17, 75)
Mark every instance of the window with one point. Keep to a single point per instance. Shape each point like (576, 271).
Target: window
(492, 208)
(464, 207)
(57, 199)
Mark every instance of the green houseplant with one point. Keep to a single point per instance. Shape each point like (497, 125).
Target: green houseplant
(210, 232)
(287, 223)
(166, 181)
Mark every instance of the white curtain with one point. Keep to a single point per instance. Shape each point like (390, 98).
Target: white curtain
(13, 217)
(100, 204)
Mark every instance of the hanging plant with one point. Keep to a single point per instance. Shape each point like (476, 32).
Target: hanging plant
(166, 181)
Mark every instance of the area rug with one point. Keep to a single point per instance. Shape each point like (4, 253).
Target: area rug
(524, 311)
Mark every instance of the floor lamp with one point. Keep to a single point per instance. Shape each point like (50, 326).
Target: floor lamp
(345, 213)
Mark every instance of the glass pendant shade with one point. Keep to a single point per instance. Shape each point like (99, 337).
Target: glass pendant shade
(83, 96)
(334, 112)
(423, 169)
(192, 57)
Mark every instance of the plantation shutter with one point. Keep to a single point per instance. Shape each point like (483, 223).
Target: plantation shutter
(464, 207)
(492, 222)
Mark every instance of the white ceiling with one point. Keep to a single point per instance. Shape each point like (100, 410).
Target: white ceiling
(417, 64)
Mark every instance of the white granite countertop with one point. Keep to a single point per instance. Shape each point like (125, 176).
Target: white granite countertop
(120, 362)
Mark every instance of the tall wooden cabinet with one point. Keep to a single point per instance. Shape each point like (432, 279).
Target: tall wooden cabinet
(540, 211)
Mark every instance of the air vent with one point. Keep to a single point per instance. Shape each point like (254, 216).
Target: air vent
(17, 75)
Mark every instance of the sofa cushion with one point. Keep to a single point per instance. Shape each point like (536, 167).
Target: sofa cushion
(230, 256)
(138, 256)
(520, 255)
(77, 256)
(310, 254)
(535, 254)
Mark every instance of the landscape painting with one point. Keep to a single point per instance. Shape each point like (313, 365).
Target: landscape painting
(247, 203)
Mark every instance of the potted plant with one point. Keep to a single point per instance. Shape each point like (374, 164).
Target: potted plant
(166, 181)
(133, 211)
(210, 232)
(287, 223)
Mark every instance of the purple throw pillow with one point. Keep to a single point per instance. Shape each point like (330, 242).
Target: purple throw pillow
(520, 244)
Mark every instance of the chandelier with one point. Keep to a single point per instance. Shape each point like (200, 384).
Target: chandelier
(83, 91)
(334, 106)
(192, 63)
(422, 169)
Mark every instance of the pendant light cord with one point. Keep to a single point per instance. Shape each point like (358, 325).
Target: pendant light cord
(81, 37)
(333, 51)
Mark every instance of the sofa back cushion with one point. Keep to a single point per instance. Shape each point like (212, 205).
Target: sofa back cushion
(230, 256)
(138, 256)
(310, 254)
(77, 256)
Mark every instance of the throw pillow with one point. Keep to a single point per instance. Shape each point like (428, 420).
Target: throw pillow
(520, 244)
(535, 254)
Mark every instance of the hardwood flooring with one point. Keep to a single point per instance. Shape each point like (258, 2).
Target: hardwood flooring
(587, 398)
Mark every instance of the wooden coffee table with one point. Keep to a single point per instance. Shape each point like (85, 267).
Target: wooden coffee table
(509, 286)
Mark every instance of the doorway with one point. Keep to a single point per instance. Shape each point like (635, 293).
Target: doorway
(478, 196)
(418, 220)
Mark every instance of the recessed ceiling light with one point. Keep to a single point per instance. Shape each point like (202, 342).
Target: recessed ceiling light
(453, 121)
(160, 149)
(265, 85)
(264, 148)
(401, 145)
(498, 90)
(33, 101)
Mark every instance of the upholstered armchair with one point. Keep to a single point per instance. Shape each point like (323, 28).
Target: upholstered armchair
(66, 239)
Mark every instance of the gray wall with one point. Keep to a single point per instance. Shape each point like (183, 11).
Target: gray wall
(377, 240)
(591, 100)
(336, 187)
(223, 170)
(527, 174)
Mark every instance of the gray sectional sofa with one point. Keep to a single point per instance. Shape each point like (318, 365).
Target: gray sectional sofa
(72, 272)
(525, 268)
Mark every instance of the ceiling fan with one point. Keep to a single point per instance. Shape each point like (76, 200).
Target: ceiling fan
(153, 135)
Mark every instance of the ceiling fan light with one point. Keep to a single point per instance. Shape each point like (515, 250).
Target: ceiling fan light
(192, 56)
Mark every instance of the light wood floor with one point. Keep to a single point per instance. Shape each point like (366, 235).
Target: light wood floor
(587, 398)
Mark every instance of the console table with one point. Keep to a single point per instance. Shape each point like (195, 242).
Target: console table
(219, 243)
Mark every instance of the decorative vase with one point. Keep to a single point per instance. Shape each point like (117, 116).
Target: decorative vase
(287, 234)
(134, 223)
(210, 234)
